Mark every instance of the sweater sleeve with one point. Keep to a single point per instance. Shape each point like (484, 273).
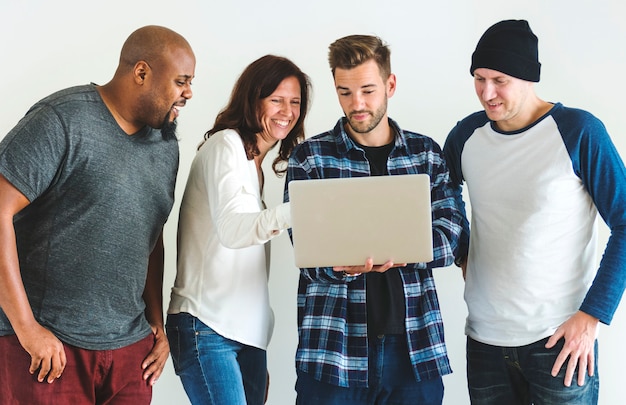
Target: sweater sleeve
(235, 206)
(597, 162)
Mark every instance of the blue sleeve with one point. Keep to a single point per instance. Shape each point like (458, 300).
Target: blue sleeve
(448, 218)
(597, 162)
(452, 150)
(299, 168)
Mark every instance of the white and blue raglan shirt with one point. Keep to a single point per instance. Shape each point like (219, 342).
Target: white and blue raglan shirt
(535, 194)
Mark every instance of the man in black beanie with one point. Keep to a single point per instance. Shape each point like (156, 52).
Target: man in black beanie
(538, 173)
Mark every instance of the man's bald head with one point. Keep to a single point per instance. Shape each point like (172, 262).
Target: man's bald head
(151, 44)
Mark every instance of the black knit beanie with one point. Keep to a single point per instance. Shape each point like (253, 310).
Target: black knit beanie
(509, 47)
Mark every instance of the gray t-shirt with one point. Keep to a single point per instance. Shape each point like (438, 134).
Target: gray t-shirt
(99, 199)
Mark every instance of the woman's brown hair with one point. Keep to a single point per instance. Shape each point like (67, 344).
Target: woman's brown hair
(258, 81)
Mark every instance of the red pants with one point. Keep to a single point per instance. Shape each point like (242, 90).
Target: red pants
(90, 376)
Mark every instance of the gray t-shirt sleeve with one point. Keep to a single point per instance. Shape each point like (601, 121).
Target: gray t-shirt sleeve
(32, 152)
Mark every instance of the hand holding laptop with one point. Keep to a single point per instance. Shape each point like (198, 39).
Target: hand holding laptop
(368, 267)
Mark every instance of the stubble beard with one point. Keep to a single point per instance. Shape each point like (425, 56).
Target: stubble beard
(364, 127)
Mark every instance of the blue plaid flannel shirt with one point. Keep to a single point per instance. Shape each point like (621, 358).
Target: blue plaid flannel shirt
(332, 320)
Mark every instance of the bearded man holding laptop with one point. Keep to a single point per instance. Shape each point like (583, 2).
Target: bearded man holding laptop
(372, 332)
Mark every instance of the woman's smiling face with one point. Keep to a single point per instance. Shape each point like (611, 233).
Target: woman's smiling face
(280, 110)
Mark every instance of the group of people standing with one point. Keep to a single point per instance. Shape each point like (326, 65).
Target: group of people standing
(87, 182)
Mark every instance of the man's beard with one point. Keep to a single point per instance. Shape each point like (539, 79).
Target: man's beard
(363, 128)
(168, 129)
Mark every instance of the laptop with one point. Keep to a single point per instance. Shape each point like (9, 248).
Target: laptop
(343, 221)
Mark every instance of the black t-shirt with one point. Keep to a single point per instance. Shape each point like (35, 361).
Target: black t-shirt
(384, 291)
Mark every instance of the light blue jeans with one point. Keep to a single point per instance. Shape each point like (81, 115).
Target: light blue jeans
(215, 370)
(521, 376)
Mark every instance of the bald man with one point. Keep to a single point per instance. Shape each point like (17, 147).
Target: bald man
(86, 184)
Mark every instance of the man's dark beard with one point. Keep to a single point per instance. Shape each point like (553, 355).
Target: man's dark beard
(168, 130)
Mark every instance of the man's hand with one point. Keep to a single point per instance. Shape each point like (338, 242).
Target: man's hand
(367, 267)
(155, 360)
(46, 353)
(580, 333)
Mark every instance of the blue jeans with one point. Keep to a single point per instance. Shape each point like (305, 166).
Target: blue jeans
(215, 370)
(521, 376)
(391, 381)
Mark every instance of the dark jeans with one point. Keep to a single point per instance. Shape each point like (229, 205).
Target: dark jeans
(521, 376)
(213, 369)
(391, 381)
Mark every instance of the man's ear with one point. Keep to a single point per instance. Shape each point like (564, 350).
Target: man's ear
(140, 71)
(391, 85)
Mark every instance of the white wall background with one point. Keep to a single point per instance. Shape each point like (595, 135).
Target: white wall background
(47, 46)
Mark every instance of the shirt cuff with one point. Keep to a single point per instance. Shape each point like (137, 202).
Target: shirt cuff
(283, 216)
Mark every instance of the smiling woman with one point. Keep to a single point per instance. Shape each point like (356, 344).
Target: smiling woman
(219, 319)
